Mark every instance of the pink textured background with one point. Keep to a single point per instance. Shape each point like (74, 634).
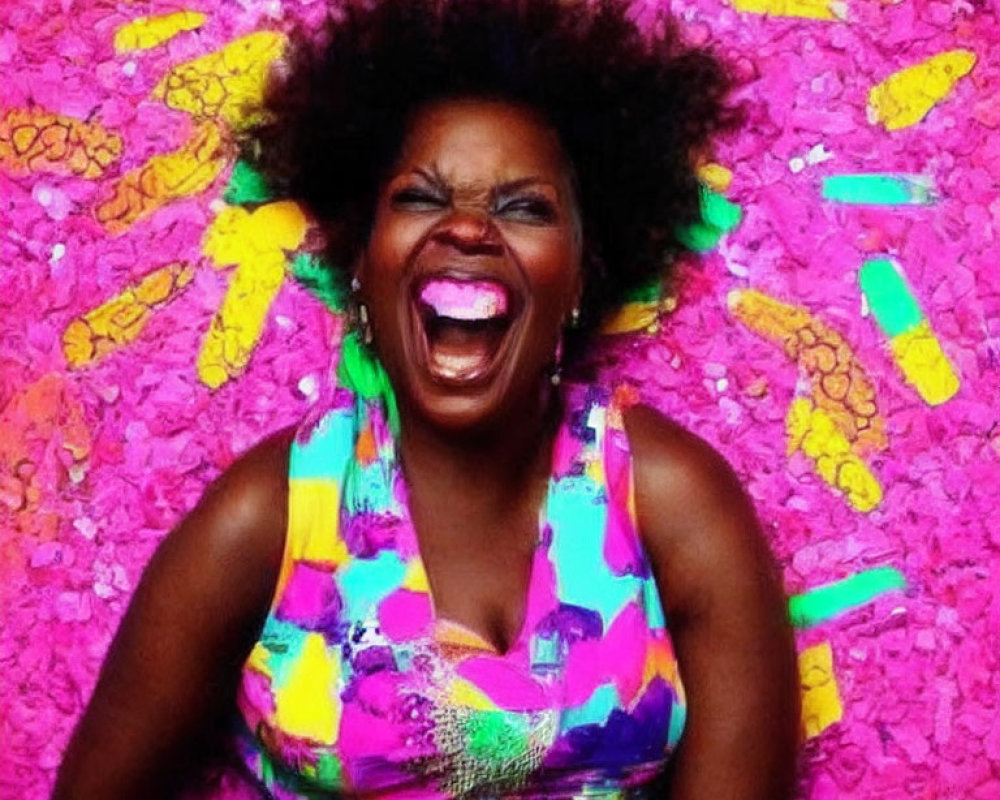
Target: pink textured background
(917, 670)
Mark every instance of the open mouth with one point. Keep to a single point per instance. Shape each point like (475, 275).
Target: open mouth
(465, 322)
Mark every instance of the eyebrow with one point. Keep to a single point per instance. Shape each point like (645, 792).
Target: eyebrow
(434, 176)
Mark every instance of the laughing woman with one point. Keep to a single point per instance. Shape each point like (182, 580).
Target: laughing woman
(471, 574)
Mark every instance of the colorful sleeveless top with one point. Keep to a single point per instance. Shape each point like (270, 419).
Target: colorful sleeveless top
(356, 690)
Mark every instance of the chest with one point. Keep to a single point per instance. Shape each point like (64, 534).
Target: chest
(362, 683)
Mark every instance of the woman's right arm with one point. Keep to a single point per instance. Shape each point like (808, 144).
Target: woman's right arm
(170, 677)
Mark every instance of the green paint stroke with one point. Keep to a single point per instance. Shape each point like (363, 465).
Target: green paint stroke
(322, 280)
(246, 185)
(647, 293)
(496, 737)
(820, 604)
(361, 372)
(889, 298)
(718, 217)
(880, 189)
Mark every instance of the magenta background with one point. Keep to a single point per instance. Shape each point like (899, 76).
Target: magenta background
(917, 671)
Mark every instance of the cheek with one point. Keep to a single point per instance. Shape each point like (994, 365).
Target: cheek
(551, 259)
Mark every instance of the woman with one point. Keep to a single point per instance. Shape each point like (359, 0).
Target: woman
(451, 582)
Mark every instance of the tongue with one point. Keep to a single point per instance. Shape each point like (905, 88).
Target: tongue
(465, 300)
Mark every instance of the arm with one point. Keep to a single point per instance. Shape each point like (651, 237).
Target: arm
(727, 614)
(170, 677)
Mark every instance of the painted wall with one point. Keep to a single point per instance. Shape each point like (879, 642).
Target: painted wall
(838, 340)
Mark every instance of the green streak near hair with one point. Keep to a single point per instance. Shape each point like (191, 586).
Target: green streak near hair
(246, 185)
(321, 280)
(362, 373)
(879, 189)
(718, 217)
(888, 296)
(825, 602)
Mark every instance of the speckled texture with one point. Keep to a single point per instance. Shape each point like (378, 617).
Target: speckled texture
(99, 459)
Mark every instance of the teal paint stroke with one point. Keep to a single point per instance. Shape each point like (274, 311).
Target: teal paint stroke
(595, 711)
(718, 217)
(825, 602)
(880, 189)
(889, 298)
(366, 582)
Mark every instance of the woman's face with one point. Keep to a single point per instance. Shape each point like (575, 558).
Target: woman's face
(473, 264)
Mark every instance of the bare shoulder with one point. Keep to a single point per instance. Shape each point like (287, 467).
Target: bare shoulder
(169, 681)
(727, 614)
(697, 522)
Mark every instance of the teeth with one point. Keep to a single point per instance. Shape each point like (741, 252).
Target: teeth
(451, 365)
(465, 300)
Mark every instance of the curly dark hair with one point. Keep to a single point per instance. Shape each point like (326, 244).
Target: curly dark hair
(632, 111)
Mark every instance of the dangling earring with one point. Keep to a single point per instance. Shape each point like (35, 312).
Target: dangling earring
(359, 312)
(555, 377)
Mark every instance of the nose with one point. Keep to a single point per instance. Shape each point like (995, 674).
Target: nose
(469, 230)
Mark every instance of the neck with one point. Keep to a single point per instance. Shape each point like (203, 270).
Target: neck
(495, 463)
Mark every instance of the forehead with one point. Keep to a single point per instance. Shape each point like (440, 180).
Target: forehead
(473, 140)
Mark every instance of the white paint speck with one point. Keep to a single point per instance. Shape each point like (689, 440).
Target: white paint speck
(129, 68)
(722, 384)
(796, 165)
(58, 251)
(308, 386)
(44, 197)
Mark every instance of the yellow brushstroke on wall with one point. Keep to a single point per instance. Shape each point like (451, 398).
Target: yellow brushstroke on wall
(814, 432)
(165, 178)
(821, 705)
(925, 366)
(35, 140)
(839, 384)
(715, 176)
(227, 84)
(630, 317)
(121, 319)
(256, 243)
(148, 32)
(807, 9)
(905, 97)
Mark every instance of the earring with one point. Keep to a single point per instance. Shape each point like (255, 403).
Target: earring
(359, 312)
(574, 317)
(555, 377)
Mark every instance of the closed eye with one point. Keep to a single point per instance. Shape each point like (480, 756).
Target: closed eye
(533, 209)
(416, 199)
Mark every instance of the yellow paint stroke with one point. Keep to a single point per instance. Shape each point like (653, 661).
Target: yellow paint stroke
(925, 366)
(145, 33)
(256, 243)
(630, 317)
(905, 97)
(839, 384)
(121, 319)
(35, 140)
(814, 432)
(807, 9)
(308, 704)
(165, 178)
(821, 705)
(715, 176)
(227, 84)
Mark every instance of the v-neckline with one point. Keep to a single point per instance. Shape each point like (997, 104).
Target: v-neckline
(440, 625)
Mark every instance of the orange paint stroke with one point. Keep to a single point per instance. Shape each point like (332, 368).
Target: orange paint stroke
(35, 140)
(165, 178)
(121, 319)
(44, 440)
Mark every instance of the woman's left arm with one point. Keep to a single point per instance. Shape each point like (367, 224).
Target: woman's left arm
(727, 615)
